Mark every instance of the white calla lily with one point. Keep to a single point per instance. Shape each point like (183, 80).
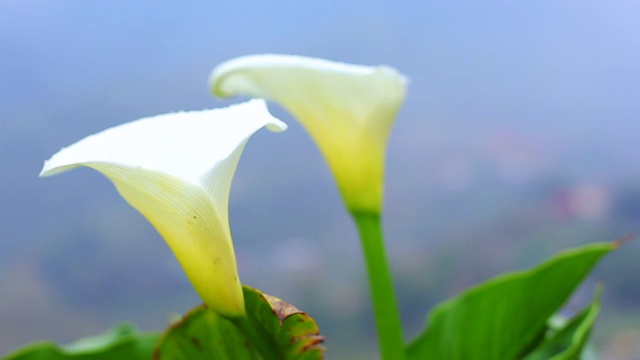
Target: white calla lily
(176, 169)
(347, 109)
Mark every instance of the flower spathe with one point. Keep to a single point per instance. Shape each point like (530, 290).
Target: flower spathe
(176, 169)
(347, 109)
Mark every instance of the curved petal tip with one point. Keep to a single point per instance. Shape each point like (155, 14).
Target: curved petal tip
(208, 135)
(248, 63)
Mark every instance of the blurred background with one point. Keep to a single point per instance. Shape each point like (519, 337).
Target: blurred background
(519, 138)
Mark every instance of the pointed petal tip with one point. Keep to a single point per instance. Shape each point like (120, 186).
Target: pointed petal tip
(393, 72)
(43, 171)
(50, 168)
(260, 105)
(277, 126)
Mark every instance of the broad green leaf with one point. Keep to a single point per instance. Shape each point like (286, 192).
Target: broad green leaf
(202, 334)
(568, 342)
(505, 317)
(120, 342)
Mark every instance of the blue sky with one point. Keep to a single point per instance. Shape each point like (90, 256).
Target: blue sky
(555, 83)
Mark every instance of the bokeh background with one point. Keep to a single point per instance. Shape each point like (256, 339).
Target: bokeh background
(519, 138)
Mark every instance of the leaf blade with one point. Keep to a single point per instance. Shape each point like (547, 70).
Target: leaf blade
(512, 306)
(294, 332)
(121, 341)
(568, 342)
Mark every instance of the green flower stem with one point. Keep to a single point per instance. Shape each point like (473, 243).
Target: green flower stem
(259, 337)
(385, 306)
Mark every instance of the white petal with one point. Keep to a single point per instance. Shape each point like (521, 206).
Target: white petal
(176, 169)
(186, 145)
(347, 109)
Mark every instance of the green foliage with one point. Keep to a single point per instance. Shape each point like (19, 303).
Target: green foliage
(272, 329)
(568, 341)
(506, 317)
(120, 342)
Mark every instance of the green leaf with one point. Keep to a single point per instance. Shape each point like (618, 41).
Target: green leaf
(568, 342)
(120, 342)
(505, 317)
(285, 332)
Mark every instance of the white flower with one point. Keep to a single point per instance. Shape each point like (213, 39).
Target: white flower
(176, 169)
(347, 109)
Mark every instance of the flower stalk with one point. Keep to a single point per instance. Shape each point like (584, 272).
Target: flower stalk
(385, 306)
